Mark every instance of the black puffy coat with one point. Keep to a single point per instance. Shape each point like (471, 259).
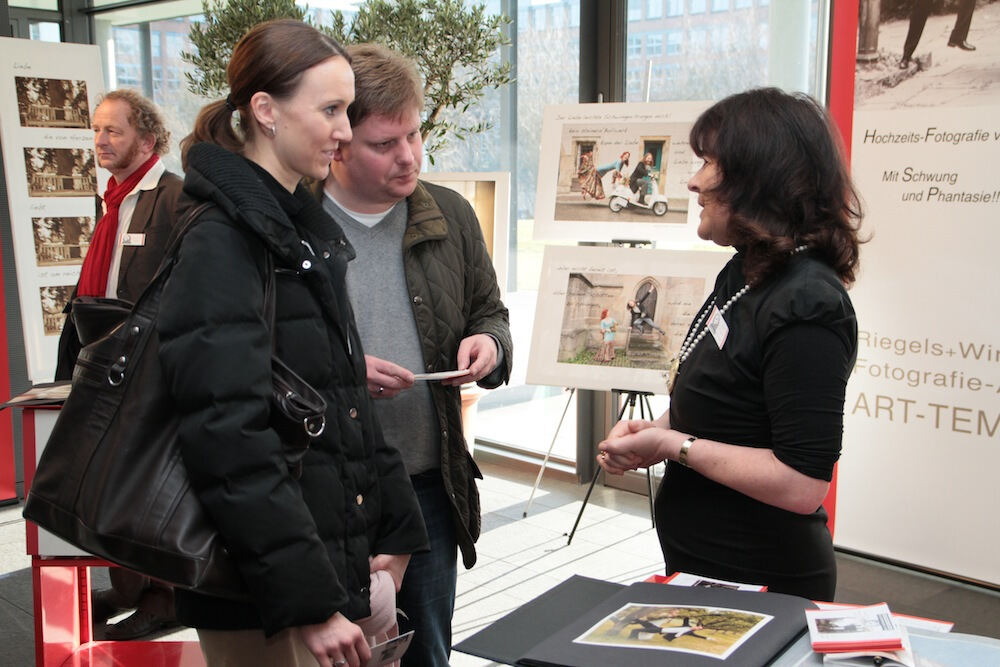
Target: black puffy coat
(302, 545)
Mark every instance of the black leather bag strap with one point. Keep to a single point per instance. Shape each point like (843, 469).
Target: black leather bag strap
(183, 225)
(269, 298)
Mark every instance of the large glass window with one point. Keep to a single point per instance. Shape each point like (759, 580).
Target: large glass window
(634, 45)
(512, 415)
(654, 44)
(52, 5)
(716, 53)
(45, 31)
(141, 48)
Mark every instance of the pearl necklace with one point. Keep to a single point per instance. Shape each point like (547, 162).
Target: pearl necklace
(698, 331)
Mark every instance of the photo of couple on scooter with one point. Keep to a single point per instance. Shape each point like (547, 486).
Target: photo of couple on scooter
(642, 190)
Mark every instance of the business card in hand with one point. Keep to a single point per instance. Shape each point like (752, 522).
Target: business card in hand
(391, 650)
(442, 375)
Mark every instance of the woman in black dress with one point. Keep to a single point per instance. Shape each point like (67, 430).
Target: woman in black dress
(757, 389)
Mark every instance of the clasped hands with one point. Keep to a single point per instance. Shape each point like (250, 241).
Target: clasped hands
(338, 642)
(633, 444)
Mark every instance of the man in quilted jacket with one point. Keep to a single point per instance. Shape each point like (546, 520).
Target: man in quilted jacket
(426, 301)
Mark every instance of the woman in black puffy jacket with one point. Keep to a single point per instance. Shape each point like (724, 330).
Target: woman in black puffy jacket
(315, 547)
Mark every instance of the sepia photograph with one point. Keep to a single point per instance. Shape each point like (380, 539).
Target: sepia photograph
(927, 53)
(60, 172)
(711, 631)
(52, 102)
(613, 318)
(62, 240)
(54, 299)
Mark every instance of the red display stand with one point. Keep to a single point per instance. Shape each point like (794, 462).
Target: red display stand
(61, 587)
(8, 483)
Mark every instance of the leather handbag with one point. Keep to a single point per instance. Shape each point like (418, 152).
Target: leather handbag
(95, 316)
(298, 412)
(111, 480)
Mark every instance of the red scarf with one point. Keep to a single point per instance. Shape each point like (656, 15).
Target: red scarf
(97, 263)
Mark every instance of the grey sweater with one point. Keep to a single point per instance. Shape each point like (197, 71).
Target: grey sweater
(377, 287)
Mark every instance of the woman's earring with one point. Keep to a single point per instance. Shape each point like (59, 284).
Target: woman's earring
(274, 131)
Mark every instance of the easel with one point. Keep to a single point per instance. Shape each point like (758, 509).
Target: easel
(645, 412)
(629, 401)
(545, 461)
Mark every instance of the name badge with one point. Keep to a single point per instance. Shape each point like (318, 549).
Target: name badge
(133, 239)
(717, 326)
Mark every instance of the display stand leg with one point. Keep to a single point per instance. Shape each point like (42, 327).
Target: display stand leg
(629, 403)
(8, 483)
(649, 471)
(545, 461)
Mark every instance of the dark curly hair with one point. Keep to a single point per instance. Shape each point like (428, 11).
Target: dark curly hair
(783, 178)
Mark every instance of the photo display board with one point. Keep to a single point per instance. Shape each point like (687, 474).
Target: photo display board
(50, 91)
(596, 158)
(578, 283)
(917, 478)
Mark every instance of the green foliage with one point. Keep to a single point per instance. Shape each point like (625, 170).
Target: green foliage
(226, 21)
(456, 49)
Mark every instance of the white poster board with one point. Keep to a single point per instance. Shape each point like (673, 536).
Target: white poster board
(49, 544)
(49, 94)
(579, 282)
(575, 135)
(918, 476)
(489, 194)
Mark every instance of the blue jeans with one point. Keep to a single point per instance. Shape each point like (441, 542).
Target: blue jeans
(427, 597)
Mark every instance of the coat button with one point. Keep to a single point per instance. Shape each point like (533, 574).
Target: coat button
(417, 300)
(430, 368)
(360, 499)
(444, 434)
(306, 265)
(326, 254)
(353, 412)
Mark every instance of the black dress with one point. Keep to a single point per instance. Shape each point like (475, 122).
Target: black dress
(778, 382)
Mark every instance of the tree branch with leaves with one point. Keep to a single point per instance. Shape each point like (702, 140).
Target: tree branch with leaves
(457, 50)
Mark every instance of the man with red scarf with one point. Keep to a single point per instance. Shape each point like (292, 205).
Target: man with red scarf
(135, 217)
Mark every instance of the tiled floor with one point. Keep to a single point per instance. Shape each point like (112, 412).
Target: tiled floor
(520, 558)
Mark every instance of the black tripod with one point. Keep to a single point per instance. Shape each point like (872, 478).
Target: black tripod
(645, 412)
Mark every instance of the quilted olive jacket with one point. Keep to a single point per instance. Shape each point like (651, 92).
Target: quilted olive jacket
(454, 294)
